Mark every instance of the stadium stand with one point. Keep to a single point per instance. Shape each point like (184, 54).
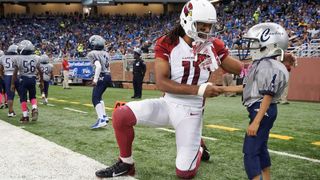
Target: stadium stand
(57, 34)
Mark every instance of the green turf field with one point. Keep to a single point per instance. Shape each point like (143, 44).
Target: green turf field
(154, 149)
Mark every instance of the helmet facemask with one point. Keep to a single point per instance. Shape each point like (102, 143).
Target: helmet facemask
(253, 47)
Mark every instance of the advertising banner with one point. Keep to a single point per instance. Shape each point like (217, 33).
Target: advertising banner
(80, 69)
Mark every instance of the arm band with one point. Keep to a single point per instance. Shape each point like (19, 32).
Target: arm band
(202, 88)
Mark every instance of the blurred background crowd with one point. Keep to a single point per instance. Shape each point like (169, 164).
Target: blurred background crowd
(58, 34)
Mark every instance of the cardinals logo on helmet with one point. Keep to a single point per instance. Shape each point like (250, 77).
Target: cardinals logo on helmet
(188, 9)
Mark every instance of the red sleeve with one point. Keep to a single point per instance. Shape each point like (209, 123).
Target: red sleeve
(64, 64)
(161, 49)
(220, 49)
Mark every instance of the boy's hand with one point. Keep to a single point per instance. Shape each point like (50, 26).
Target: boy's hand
(253, 129)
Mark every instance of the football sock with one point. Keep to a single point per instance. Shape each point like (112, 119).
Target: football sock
(24, 106)
(99, 110)
(34, 103)
(25, 113)
(103, 108)
(123, 121)
(128, 160)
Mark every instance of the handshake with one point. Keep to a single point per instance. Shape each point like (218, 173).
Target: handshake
(210, 90)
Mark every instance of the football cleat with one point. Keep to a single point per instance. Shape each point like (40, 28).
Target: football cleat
(12, 114)
(205, 154)
(24, 119)
(101, 122)
(118, 169)
(44, 101)
(2, 106)
(34, 114)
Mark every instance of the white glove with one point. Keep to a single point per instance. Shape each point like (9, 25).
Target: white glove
(205, 57)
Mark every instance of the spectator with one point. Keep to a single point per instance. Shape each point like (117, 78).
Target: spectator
(228, 80)
(65, 68)
(289, 61)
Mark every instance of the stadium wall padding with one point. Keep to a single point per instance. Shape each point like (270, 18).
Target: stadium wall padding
(304, 79)
(304, 83)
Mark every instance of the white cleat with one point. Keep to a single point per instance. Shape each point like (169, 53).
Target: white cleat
(13, 114)
(100, 123)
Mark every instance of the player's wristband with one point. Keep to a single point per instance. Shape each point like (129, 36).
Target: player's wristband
(202, 88)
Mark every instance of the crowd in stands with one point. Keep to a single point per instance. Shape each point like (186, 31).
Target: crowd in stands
(60, 34)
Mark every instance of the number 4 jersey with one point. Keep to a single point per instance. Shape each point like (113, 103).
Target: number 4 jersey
(185, 68)
(27, 64)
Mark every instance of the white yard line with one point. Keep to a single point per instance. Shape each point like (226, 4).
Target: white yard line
(271, 151)
(294, 156)
(75, 110)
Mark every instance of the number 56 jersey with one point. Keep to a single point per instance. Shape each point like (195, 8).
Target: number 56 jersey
(27, 64)
(185, 69)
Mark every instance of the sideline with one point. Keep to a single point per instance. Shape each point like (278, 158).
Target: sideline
(24, 155)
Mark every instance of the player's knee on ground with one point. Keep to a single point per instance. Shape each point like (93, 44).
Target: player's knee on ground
(123, 117)
(186, 174)
(186, 168)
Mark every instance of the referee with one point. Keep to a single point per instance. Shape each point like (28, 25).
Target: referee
(139, 70)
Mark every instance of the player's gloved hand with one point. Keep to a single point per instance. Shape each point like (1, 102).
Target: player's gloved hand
(204, 56)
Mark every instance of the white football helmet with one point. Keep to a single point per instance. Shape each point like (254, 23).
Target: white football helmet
(97, 42)
(13, 49)
(198, 11)
(266, 40)
(1, 53)
(44, 59)
(25, 45)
